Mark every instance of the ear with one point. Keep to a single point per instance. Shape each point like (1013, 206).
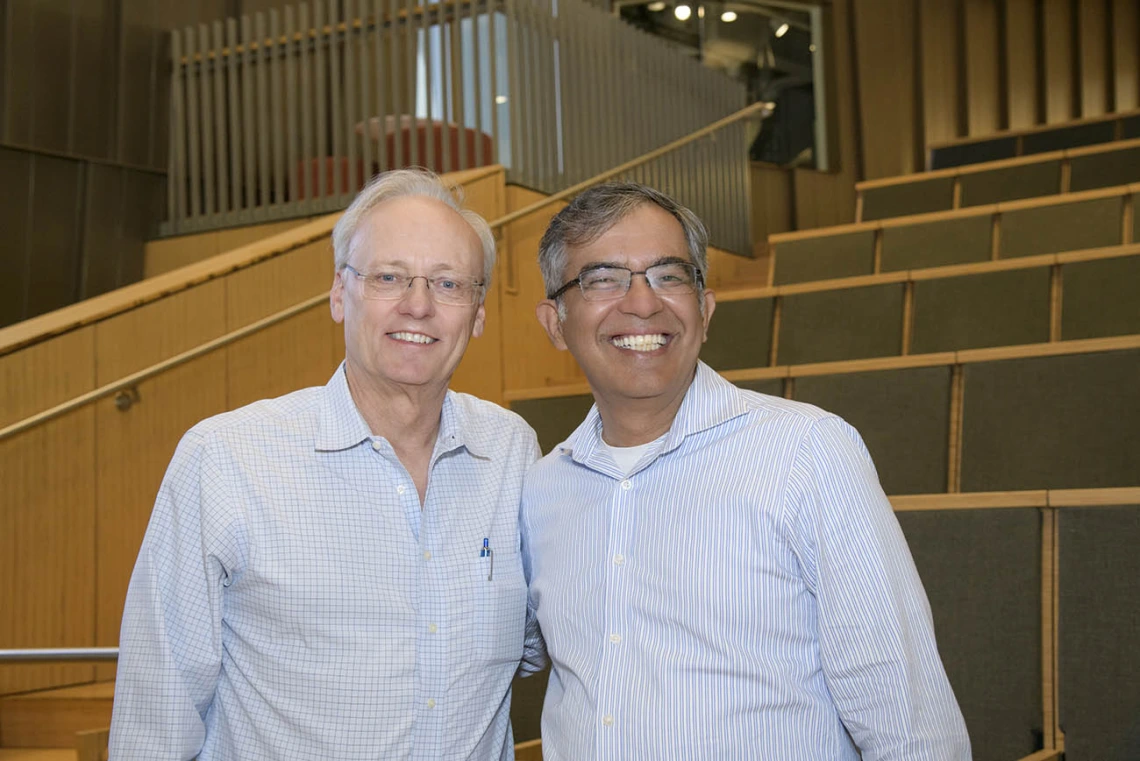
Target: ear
(710, 307)
(336, 297)
(480, 321)
(547, 314)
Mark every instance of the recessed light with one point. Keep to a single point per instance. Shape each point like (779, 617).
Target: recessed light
(682, 12)
(782, 30)
(728, 17)
(657, 7)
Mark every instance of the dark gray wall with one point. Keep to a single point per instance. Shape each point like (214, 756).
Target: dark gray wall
(84, 92)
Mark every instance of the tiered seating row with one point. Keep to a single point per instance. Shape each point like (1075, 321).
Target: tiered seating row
(1042, 139)
(1074, 170)
(1058, 415)
(1075, 295)
(1008, 230)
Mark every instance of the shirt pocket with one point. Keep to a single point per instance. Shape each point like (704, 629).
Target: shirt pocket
(501, 598)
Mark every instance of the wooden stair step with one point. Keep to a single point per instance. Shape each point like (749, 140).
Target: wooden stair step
(50, 719)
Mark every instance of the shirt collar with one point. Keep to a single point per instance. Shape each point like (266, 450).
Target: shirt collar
(341, 426)
(709, 401)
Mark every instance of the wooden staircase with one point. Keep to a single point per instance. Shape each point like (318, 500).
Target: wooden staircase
(64, 724)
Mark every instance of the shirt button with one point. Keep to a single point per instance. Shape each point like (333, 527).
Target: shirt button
(619, 559)
(401, 489)
(427, 555)
(608, 720)
(626, 485)
(376, 445)
(431, 703)
(615, 638)
(432, 628)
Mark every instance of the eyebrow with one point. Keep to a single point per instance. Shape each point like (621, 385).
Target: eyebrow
(654, 263)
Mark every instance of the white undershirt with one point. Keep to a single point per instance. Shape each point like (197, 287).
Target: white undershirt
(627, 457)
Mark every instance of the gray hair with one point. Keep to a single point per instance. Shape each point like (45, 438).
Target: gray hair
(403, 183)
(592, 213)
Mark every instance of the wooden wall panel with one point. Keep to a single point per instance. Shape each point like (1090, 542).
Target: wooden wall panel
(1021, 62)
(1126, 54)
(529, 359)
(938, 21)
(481, 371)
(772, 203)
(293, 355)
(885, 48)
(47, 515)
(15, 201)
(982, 83)
(166, 254)
(1057, 28)
(135, 446)
(1093, 36)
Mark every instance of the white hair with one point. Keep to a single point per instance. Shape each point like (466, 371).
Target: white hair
(403, 183)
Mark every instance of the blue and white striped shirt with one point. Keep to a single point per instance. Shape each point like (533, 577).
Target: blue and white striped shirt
(744, 593)
(292, 601)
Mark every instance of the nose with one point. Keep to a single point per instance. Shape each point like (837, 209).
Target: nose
(641, 300)
(417, 301)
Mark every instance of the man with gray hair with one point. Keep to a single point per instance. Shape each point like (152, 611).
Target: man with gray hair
(335, 574)
(716, 573)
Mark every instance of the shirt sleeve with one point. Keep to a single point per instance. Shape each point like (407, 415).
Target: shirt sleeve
(534, 657)
(877, 643)
(170, 642)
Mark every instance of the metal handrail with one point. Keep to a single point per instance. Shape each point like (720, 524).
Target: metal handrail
(59, 654)
(762, 108)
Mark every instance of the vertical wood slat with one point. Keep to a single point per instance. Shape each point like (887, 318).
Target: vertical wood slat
(516, 96)
(540, 84)
(1092, 34)
(305, 184)
(493, 20)
(940, 85)
(984, 111)
(366, 90)
(381, 91)
(292, 132)
(1048, 629)
(397, 87)
(237, 160)
(1021, 62)
(176, 161)
(1126, 54)
(1057, 25)
(321, 148)
(206, 77)
(336, 105)
(412, 74)
(430, 90)
(351, 113)
(221, 134)
(195, 157)
(476, 116)
(277, 57)
(261, 64)
(444, 28)
(456, 73)
(248, 99)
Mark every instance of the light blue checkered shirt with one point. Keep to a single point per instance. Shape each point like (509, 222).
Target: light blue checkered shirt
(292, 601)
(744, 593)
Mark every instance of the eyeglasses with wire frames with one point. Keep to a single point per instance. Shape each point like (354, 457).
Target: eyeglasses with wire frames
(444, 289)
(605, 282)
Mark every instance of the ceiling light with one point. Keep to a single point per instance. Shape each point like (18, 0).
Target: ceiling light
(658, 6)
(700, 11)
(682, 12)
(782, 29)
(500, 99)
(728, 17)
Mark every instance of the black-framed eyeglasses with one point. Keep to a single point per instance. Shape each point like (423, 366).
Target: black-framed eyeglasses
(604, 282)
(444, 289)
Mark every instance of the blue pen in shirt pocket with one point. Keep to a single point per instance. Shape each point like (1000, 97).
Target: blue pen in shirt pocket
(487, 552)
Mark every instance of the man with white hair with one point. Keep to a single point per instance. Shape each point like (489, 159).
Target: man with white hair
(335, 573)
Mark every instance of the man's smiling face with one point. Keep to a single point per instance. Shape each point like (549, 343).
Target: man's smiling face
(642, 345)
(410, 341)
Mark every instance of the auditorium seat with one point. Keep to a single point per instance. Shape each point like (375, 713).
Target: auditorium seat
(1011, 183)
(1061, 227)
(554, 418)
(1099, 298)
(1099, 614)
(821, 256)
(982, 572)
(739, 334)
(1056, 422)
(911, 194)
(851, 323)
(960, 240)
